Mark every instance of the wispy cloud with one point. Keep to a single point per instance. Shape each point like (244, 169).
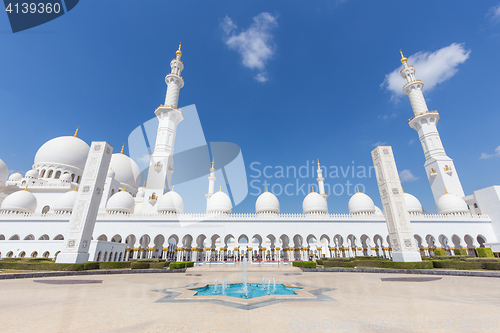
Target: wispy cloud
(406, 176)
(494, 12)
(432, 68)
(485, 156)
(255, 44)
(379, 143)
(411, 141)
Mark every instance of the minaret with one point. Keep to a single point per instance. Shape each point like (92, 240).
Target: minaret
(169, 116)
(211, 181)
(321, 182)
(440, 169)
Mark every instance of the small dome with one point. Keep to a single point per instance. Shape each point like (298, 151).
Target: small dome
(267, 203)
(378, 211)
(32, 174)
(412, 204)
(141, 192)
(170, 202)
(219, 202)
(314, 203)
(16, 176)
(20, 201)
(122, 202)
(4, 172)
(66, 177)
(361, 203)
(451, 204)
(125, 169)
(64, 150)
(138, 208)
(111, 173)
(66, 202)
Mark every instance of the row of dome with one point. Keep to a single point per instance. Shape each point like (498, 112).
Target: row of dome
(219, 202)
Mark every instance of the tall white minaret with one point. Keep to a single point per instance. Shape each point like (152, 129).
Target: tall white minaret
(321, 182)
(169, 116)
(439, 167)
(211, 181)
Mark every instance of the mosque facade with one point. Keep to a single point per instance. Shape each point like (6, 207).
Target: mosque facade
(149, 221)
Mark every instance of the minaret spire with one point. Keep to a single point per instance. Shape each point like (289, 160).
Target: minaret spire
(169, 116)
(211, 181)
(439, 167)
(321, 182)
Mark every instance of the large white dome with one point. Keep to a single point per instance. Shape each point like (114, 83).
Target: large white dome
(20, 201)
(314, 203)
(219, 202)
(412, 204)
(361, 203)
(66, 202)
(4, 172)
(170, 202)
(64, 150)
(125, 169)
(122, 202)
(267, 203)
(451, 204)
(16, 176)
(33, 174)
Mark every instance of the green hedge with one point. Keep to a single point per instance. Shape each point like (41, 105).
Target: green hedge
(180, 264)
(139, 265)
(440, 253)
(491, 265)
(41, 266)
(304, 264)
(338, 263)
(460, 252)
(457, 264)
(319, 262)
(114, 265)
(484, 252)
(156, 265)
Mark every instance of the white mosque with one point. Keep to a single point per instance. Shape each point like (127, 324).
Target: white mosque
(149, 221)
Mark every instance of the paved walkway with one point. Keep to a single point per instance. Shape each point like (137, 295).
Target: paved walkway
(361, 303)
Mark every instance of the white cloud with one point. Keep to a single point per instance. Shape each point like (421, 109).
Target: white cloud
(411, 141)
(432, 68)
(485, 156)
(407, 176)
(379, 143)
(255, 44)
(494, 12)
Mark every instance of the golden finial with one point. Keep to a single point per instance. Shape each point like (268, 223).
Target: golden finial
(403, 58)
(26, 188)
(76, 132)
(178, 52)
(267, 188)
(144, 185)
(125, 188)
(357, 189)
(446, 191)
(173, 186)
(220, 188)
(312, 190)
(318, 162)
(213, 162)
(76, 188)
(123, 147)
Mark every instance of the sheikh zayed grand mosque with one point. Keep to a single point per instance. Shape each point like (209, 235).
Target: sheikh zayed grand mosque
(149, 221)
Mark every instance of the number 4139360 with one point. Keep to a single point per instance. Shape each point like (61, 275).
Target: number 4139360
(32, 8)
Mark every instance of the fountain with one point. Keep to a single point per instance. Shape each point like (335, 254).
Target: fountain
(245, 289)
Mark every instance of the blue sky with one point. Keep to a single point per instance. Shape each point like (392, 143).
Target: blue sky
(289, 82)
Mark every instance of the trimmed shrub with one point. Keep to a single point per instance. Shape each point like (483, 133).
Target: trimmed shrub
(338, 263)
(180, 264)
(440, 253)
(491, 265)
(484, 252)
(457, 264)
(156, 265)
(304, 264)
(41, 266)
(139, 265)
(91, 265)
(460, 252)
(115, 264)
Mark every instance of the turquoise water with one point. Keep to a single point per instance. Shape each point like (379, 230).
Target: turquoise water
(236, 290)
